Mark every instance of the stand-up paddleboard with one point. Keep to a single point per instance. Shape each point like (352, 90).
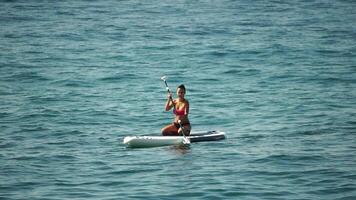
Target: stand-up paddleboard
(157, 141)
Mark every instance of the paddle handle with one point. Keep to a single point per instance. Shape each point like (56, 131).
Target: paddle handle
(169, 91)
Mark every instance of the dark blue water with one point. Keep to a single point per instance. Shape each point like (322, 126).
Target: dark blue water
(278, 77)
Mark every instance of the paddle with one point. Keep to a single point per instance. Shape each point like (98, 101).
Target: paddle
(185, 139)
(181, 126)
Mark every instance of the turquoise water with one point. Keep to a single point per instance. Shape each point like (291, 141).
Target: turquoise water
(278, 77)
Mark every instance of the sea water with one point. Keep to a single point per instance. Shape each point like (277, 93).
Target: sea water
(279, 77)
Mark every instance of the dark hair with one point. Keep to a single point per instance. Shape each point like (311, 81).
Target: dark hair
(182, 87)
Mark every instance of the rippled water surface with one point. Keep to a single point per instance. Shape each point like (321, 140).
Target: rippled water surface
(278, 77)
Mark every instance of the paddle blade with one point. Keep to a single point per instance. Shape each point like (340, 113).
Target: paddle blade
(186, 140)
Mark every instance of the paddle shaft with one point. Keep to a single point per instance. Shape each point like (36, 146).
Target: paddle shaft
(169, 91)
(181, 126)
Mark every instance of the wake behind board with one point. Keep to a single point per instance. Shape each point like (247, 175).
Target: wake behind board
(156, 141)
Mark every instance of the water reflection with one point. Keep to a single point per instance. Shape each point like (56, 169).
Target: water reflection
(181, 149)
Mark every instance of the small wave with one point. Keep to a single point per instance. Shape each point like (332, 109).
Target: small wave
(290, 158)
(232, 72)
(112, 183)
(8, 145)
(21, 18)
(218, 53)
(65, 157)
(25, 158)
(210, 80)
(34, 128)
(28, 76)
(312, 132)
(129, 171)
(11, 36)
(119, 77)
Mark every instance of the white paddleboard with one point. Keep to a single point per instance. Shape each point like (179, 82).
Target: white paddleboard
(156, 141)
